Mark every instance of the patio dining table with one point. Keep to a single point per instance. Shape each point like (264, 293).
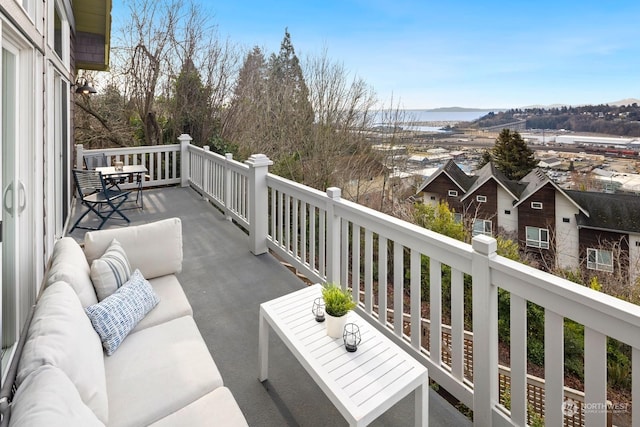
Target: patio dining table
(137, 172)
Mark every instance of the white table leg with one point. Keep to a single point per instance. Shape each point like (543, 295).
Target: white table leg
(422, 405)
(263, 347)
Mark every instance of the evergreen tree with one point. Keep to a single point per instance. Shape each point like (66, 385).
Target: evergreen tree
(511, 155)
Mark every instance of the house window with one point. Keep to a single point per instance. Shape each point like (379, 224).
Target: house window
(507, 212)
(598, 259)
(457, 217)
(433, 197)
(482, 226)
(637, 242)
(453, 193)
(537, 237)
(57, 32)
(536, 205)
(481, 199)
(566, 220)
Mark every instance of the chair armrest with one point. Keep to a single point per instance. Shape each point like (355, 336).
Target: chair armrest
(154, 248)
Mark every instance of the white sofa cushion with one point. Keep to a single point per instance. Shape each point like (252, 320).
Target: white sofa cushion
(61, 335)
(110, 271)
(154, 248)
(116, 315)
(68, 264)
(47, 397)
(157, 371)
(215, 409)
(173, 302)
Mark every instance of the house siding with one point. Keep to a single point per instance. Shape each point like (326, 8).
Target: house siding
(541, 218)
(508, 222)
(567, 238)
(598, 239)
(440, 187)
(484, 210)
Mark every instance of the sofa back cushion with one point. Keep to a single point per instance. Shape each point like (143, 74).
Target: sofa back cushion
(61, 335)
(68, 264)
(155, 248)
(48, 398)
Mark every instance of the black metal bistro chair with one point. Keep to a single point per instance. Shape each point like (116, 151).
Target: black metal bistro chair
(97, 198)
(99, 160)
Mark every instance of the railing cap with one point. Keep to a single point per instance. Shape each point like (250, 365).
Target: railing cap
(334, 193)
(258, 160)
(484, 244)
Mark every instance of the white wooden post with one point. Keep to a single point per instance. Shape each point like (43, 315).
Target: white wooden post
(79, 156)
(258, 203)
(185, 140)
(333, 236)
(485, 332)
(228, 157)
(206, 188)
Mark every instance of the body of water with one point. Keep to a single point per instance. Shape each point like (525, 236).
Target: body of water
(434, 117)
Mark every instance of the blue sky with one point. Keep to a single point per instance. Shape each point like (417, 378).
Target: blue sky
(429, 54)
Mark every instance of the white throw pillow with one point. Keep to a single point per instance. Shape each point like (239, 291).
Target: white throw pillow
(68, 264)
(115, 316)
(47, 397)
(61, 335)
(110, 271)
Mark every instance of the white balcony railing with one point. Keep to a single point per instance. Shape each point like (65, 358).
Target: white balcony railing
(330, 239)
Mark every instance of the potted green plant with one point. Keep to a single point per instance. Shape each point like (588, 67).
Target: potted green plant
(337, 303)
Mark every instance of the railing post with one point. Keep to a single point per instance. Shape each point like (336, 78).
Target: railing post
(185, 140)
(485, 332)
(79, 156)
(206, 189)
(228, 157)
(258, 203)
(333, 237)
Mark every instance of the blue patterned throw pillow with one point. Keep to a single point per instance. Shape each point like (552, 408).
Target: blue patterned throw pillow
(116, 315)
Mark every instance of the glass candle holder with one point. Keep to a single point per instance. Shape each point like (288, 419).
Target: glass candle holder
(351, 337)
(318, 309)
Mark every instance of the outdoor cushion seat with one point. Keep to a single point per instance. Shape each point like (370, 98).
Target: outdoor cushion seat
(173, 302)
(215, 409)
(157, 371)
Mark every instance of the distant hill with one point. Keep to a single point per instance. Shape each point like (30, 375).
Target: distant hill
(627, 101)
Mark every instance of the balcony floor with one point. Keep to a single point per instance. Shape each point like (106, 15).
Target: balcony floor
(225, 284)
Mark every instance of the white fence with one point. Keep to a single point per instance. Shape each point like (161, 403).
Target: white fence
(331, 239)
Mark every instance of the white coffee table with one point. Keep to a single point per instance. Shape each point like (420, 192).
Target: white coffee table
(362, 385)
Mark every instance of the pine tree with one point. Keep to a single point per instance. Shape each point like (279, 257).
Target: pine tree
(511, 155)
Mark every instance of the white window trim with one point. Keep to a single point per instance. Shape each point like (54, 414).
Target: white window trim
(597, 265)
(452, 193)
(539, 243)
(481, 199)
(484, 231)
(536, 205)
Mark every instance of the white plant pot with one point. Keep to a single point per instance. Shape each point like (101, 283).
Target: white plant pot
(335, 325)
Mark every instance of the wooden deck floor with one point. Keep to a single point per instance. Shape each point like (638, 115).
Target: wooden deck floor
(225, 284)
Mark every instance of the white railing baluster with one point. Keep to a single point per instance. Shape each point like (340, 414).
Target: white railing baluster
(344, 254)
(595, 378)
(398, 280)
(457, 324)
(435, 311)
(355, 261)
(416, 300)
(295, 208)
(303, 236)
(382, 279)
(368, 271)
(635, 386)
(553, 368)
(518, 339)
(315, 264)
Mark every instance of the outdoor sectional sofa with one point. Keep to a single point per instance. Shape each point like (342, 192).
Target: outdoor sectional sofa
(162, 373)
